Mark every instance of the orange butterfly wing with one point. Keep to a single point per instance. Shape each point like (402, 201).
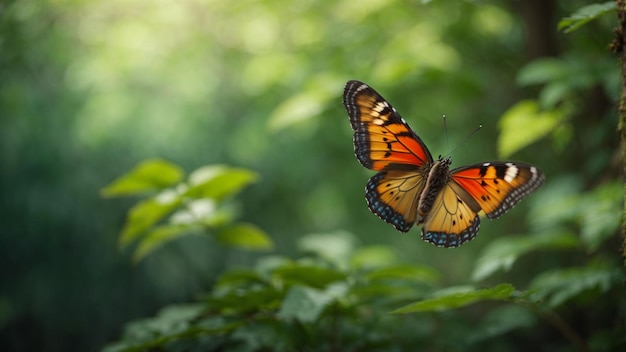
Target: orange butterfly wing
(382, 139)
(491, 187)
(394, 196)
(453, 219)
(498, 186)
(384, 142)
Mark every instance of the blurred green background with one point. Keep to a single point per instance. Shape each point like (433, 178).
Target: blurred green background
(90, 88)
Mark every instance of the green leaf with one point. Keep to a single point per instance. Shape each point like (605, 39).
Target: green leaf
(238, 278)
(452, 300)
(245, 300)
(149, 175)
(146, 214)
(373, 257)
(202, 212)
(501, 253)
(178, 314)
(172, 324)
(261, 335)
(405, 272)
(307, 274)
(601, 213)
(218, 181)
(557, 286)
(561, 137)
(554, 92)
(153, 334)
(298, 108)
(306, 304)
(157, 237)
(172, 319)
(598, 212)
(564, 77)
(390, 292)
(524, 124)
(268, 263)
(560, 77)
(334, 247)
(245, 236)
(584, 15)
(396, 284)
(501, 320)
(558, 202)
(543, 70)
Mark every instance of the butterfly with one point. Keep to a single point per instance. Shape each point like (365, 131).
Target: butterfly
(412, 188)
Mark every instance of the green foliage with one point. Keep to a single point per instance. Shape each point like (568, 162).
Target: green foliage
(580, 221)
(305, 304)
(586, 14)
(148, 176)
(596, 215)
(451, 298)
(555, 287)
(500, 321)
(502, 253)
(600, 215)
(305, 105)
(184, 208)
(312, 303)
(564, 78)
(244, 236)
(523, 124)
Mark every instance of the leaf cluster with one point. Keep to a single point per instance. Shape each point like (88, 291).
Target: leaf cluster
(174, 207)
(339, 296)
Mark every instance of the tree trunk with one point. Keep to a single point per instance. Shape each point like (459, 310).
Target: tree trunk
(618, 45)
(539, 25)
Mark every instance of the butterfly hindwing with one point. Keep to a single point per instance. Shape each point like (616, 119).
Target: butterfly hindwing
(453, 218)
(393, 196)
(382, 139)
(498, 186)
(490, 187)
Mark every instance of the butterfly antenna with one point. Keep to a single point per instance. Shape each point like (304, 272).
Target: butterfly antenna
(466, 138)
(445, 128)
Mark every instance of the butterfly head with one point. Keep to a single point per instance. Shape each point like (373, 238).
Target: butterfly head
(447, 161)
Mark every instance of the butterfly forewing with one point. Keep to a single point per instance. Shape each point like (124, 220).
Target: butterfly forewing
(382, 139)
(498, 186)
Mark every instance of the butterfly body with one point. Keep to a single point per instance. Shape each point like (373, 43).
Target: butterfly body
(411, 188)
(438, 177)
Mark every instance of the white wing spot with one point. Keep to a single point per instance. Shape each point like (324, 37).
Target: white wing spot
(380, 106)
(378, 122)
(511, 172)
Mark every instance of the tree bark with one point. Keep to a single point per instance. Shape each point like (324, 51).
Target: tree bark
(618, 45)
(539, 25)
